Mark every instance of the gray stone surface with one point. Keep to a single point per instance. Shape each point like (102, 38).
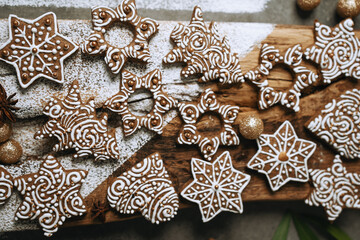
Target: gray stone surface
(260, 219)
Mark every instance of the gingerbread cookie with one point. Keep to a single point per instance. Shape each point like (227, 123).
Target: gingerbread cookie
(76, 125)
(216, 187)
(335, 189)
(145, 188)
(6, 106)
(51, 195)
(336, 51)
(204, 52)
(36, 49)
(282, 156)
(6, 185)
(271, 57)
(338, 124)
(115, 57)
(154, 120)
(192, 112)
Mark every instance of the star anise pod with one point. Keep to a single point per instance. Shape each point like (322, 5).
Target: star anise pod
(99, 210)
(6, 106)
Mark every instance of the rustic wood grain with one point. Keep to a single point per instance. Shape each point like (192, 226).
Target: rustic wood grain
(177, 157)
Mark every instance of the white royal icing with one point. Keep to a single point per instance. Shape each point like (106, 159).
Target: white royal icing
(115, 57)
(77, 126)
(154, 120)
(335, 189)
(33, 49)
(6, 185)
(145, 188)
(303, 77)
(282, 156)
(51, 195)
(204, 52)
(336, 50)
(217, 186)
(339, 124)
(192, 112)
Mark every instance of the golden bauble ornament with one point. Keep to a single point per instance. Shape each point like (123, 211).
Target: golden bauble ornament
(308, 5)
(10, 152)
(5, 132)
(348, 8)
(251, 127)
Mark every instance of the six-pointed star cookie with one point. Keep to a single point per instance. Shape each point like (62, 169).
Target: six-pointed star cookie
(216, 187)
(335, 189)
(192, 112)
(282, 157)
(51, 195)
(36, 49)
(154, 120)
(336, 51)
(76, 125)
(204, 52)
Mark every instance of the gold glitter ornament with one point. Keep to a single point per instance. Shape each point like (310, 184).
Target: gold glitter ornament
(10, 152)
(348, 8)
(251, 127)
(5, 132)
(307, 5)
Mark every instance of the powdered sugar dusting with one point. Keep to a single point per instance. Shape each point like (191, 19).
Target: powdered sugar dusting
(228, 6)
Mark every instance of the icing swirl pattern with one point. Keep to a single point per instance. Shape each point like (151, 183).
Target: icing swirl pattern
(51, 195)
(338, 124)
(145, 188)
(334, 189)
(204, 52)
(77, 126)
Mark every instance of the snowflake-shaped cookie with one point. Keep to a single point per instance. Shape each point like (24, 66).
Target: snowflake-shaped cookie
(282, 157)
(192, 112)
(335, 189)
(216, 187)
(51, 195)
(115, 57)
(36, 49)
(336, 50)
(76, 125)
(154, 120)
(145, 188)
(204, 52)
(271, 57)
(339, 124)
(6, 185)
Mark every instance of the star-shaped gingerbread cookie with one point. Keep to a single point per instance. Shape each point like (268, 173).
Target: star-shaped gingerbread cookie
(204, 52)
(282, 156)
(36, 49)
(75, 125)
(336, 51)
(51, 195)
(145, 188)
(191, 114)
(216, 187)
(154, 120)
(335, 189)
